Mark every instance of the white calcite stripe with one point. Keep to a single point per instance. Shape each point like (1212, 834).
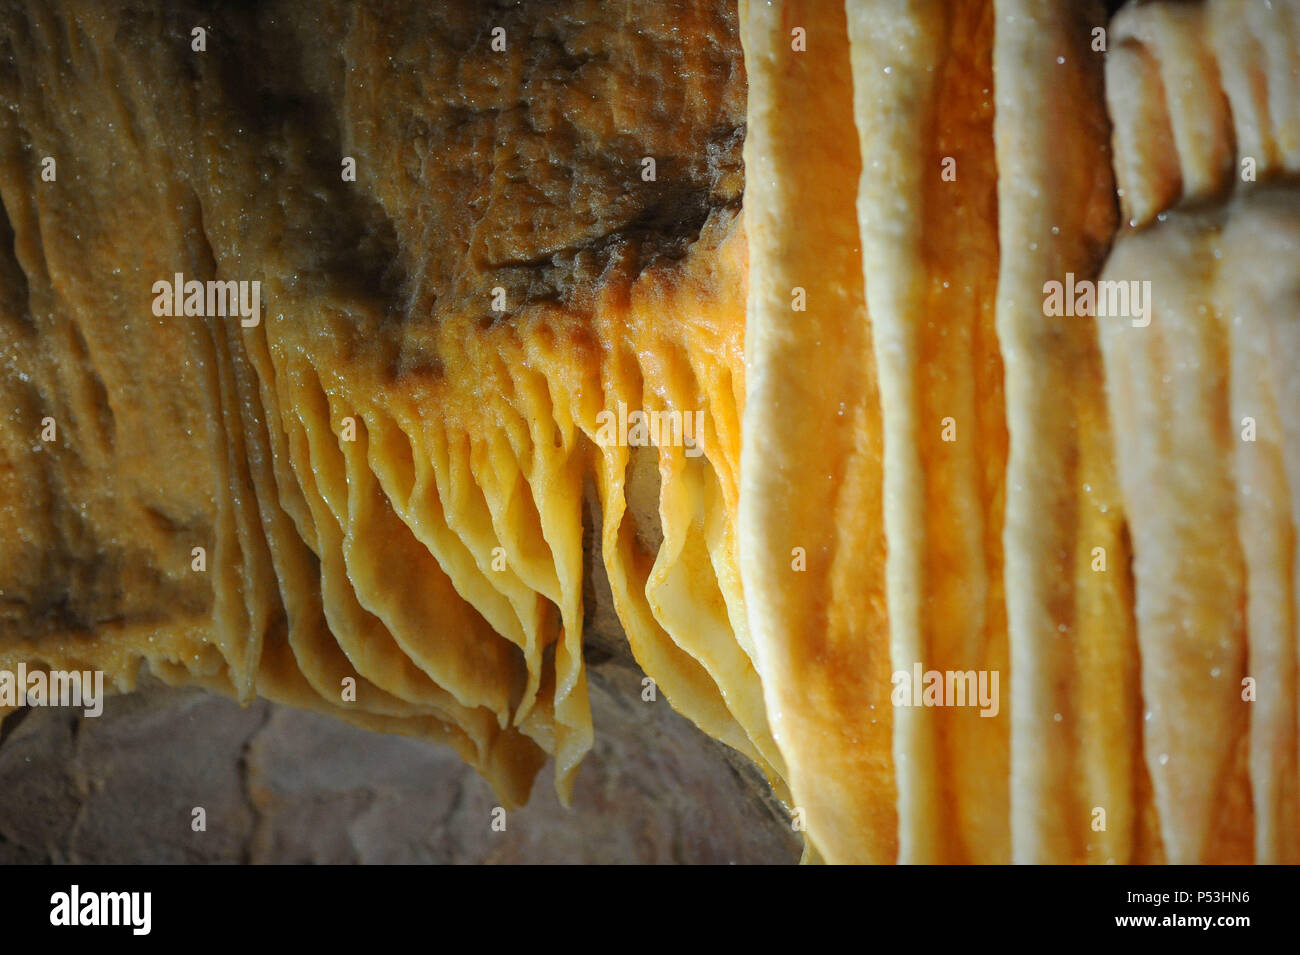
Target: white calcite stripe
(1050, 137)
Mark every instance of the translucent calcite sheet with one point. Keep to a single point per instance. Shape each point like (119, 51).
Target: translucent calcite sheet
(387, 473)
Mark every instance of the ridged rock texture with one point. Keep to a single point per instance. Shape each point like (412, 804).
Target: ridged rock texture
(388, 472)
(815, 238)
(1097, 505)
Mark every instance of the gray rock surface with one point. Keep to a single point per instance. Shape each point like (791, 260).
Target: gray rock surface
(280, 785)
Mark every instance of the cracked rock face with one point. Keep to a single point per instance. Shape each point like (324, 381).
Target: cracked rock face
(280, 785)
